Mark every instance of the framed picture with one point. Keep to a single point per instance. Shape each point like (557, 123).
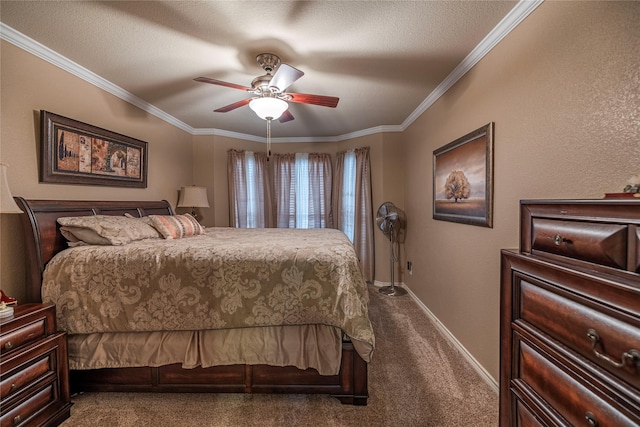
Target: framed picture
(77, 153)
(463, 179)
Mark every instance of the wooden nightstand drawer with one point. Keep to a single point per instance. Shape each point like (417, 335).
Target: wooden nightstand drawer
(31, 409)
(23, 336)
(25, 369)
(30, 323)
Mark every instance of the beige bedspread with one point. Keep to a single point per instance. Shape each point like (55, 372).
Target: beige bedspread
(226, 278)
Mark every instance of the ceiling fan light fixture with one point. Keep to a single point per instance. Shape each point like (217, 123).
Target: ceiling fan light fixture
(268, 108)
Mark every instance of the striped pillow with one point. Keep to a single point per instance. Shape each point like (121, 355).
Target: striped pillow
(176, 226)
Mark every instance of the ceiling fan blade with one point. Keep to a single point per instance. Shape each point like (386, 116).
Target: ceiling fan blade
(286, 117)
(284, 77)
(233, 106)
(304, 98)
(221, 83)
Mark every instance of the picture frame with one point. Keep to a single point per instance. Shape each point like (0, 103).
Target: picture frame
(77, 153)
(463, 179)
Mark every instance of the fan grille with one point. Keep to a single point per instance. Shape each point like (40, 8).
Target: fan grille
(389, 219)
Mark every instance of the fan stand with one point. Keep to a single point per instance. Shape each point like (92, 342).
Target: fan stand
(392, 290)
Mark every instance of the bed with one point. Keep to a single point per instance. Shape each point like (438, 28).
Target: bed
(127, 346)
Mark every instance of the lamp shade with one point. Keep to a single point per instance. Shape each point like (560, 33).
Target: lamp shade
(7, 204)
(193, 197)
(268, 108)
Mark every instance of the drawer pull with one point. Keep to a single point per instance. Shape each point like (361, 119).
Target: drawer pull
(558, 240)
(8, 345)
(591, 419)
(633, 355)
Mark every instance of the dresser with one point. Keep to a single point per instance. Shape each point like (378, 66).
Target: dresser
(34, 373)
(570, 315)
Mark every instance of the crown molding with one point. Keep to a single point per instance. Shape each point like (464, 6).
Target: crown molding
(504, 27)
(41, 51)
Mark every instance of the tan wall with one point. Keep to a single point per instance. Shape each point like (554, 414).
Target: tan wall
(29, 85)
(562, 89)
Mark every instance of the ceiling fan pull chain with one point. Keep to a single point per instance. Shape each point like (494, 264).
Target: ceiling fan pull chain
(268, 138)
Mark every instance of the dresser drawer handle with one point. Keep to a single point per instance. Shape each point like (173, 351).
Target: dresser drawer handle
(591, 419)
(558, 240)
(632, 355)
(8, 345)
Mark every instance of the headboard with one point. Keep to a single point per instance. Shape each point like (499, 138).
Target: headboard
(42, 233)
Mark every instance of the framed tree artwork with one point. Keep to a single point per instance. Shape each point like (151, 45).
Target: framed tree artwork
(73, 152)
(463, 179)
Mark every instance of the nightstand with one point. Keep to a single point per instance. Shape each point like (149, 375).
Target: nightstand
(34, 370)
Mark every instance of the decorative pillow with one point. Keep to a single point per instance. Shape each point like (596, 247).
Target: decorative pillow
(176, 226)
(105, 230)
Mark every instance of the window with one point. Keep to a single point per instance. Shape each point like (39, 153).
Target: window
(252, 190)
(301, 185)
(348, 207)
(303, 190)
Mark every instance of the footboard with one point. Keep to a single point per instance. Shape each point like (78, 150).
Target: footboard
(349, 386)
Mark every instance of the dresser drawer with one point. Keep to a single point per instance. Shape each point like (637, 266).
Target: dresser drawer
(525, 418)
(588, 330)
(567, 396)
(635, 249)
(598, 243)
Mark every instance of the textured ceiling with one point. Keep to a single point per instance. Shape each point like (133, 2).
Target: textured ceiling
(381, 58)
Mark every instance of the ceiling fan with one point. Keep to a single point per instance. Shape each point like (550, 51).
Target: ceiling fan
(271, 101)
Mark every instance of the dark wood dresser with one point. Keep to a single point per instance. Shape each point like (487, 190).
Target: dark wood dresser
(570, 316)
(34, 370)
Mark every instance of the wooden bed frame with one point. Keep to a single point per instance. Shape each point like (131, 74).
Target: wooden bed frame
(43, 240)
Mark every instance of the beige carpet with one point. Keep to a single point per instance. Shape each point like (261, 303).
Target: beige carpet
(417, 378)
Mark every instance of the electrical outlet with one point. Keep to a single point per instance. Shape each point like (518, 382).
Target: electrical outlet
(410, 267)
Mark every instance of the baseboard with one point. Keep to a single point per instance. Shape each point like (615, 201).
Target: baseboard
(449, 336)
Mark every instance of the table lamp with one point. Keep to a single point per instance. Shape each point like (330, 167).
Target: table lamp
(7, 206)
(193, 197)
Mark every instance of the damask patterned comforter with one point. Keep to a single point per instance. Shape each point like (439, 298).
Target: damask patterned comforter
(226, 278)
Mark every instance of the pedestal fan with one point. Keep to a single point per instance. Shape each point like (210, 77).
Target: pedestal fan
(391, 221)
